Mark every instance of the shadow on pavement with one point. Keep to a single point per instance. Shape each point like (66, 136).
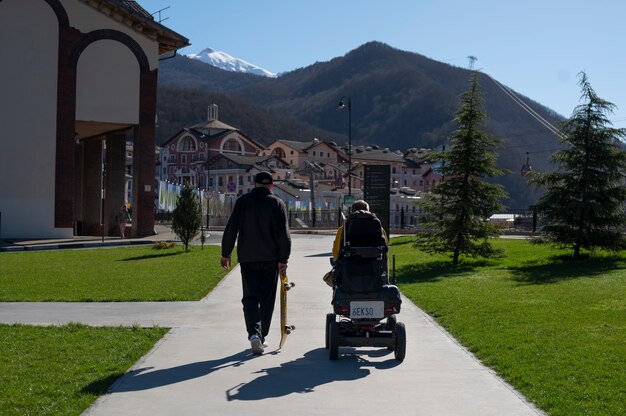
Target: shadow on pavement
(139, 379)
(313, 369)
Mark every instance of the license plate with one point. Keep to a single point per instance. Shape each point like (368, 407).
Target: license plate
(367, 309)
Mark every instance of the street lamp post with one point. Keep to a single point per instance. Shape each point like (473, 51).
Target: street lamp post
(342, 104)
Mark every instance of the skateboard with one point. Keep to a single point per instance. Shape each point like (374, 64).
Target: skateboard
(285, 329)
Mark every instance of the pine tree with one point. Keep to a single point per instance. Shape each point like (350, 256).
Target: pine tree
(186, 218)
(584, 201)
(458, 207)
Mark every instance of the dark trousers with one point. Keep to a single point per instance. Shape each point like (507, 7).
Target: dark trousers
(259, 295)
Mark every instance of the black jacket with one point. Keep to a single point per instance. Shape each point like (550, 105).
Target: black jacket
(260, 220)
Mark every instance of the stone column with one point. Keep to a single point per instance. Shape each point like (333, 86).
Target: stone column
(78, 190)
(115, 181)
(144, 162)
(92, 176)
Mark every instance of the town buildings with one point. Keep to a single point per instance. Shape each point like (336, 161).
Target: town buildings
(219, 158)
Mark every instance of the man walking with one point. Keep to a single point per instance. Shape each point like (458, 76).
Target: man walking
(259, 225)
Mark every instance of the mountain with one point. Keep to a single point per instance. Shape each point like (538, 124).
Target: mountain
(226, 62)
(399, 99)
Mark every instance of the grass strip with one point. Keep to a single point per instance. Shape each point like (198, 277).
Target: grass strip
(553, 328)
(110, 274)
(63, 370)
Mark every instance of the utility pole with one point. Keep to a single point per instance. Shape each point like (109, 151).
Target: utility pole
(472, 59)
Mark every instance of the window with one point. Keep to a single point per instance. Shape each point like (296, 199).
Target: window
(241, 180)
(232, 145)
(187, 144)
(393, 170)
(291, 153)
(313, 152)
(220, 181)
(183, 159)
(279, 152)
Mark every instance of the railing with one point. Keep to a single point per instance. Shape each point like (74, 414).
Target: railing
(512, 221)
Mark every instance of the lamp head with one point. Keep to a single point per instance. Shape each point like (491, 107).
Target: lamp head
(341, 104)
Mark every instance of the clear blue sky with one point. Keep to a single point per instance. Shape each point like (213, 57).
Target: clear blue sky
(536, 47)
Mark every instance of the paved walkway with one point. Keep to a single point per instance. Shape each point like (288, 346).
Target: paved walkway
(204, 365)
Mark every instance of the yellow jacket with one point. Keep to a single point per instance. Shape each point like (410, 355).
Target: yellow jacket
(338, 243)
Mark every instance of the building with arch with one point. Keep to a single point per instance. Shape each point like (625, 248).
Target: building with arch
(191, 156)
(79, 81)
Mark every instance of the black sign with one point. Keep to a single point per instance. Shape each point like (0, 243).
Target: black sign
(376, 191)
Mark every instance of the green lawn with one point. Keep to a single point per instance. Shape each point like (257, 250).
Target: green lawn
(110, 274)
(555, 329)
(63, 370)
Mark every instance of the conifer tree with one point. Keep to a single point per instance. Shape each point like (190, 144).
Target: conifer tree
(584, 202)
(186, 218)
(458, 207)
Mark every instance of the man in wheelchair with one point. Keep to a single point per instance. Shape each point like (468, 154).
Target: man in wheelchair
(365, 232)
(362, 295)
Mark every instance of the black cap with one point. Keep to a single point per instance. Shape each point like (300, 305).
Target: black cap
(263, 178)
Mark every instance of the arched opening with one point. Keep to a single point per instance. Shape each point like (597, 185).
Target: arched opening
(107, 116)
(187, 144)
(279, 152)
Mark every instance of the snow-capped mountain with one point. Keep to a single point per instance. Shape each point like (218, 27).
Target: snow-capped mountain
(226, 62)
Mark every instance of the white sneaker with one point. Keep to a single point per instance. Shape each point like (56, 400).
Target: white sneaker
(256, 344)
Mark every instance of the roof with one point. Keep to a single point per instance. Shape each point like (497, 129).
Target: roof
(196, 133)
(377, 154)
(250, 161)
(213, 124)
(207, 137)
(320, 143)
(142, 21)
(245, 160)
(299, 146)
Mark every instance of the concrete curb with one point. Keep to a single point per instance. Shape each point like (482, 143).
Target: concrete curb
(62, 246)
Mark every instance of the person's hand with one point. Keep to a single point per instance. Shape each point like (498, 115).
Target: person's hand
(282, 268)
(225, 262)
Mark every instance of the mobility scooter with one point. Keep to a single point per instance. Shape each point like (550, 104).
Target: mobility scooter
(364, 303)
